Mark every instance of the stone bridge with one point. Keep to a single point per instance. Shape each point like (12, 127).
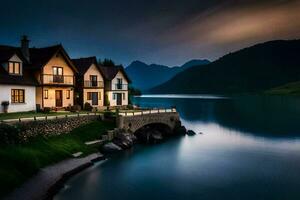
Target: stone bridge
(133, 121)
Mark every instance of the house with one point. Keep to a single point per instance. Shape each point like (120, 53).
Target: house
(55, 73)
(116, 85)
(89, 82)
(36, 77)
(17, 86)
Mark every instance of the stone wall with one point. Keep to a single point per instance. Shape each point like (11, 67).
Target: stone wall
(53, 127)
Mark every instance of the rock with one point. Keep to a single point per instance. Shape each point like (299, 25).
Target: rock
(156, 135)
(190, 133)
(180, 131)
(110, 148)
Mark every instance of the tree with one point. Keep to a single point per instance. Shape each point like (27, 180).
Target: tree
(107, 62)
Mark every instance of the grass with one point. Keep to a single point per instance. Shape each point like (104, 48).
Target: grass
(4, 116)
(20, 162)
(292, 89)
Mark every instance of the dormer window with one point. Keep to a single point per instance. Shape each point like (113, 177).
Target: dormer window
(14, 68)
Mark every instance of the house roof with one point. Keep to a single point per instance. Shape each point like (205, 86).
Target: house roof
(39, 57)
(111, 72)
(25, 79)
(6, 52)
(83, 64)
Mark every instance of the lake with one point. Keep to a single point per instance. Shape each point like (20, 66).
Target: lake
(249, 149)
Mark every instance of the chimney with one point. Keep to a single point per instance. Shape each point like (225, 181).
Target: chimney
(25, 47)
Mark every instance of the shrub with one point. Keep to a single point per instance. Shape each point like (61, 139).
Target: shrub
(9, 134)
(47, 110)
(108, 114)
(130, 106)
(88, 107)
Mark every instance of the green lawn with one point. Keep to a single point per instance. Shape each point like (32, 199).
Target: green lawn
(20, 162)
(4, 116)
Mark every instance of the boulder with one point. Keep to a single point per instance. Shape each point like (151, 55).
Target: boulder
(180, 131)
(110, 148)
(190, 133)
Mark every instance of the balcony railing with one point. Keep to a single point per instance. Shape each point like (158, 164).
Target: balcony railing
(58, 79)
(96, 84)
(121, 87)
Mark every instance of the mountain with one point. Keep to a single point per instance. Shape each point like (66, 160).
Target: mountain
(146, 76)
(254, 69)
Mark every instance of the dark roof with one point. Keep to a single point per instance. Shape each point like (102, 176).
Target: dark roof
(40, 56)
(26, 79)
(83, 64)
(6, 52)
(111, 72)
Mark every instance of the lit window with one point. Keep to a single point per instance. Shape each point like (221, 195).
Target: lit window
(46, 94)
(89, 96)
(14, 68)
(68, 94)
(99, 96)
(17, 96)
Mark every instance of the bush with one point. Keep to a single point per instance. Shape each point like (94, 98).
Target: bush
(108, 114)
(47, 110)
(88, 107)
(9, 134)
(75, 108)
(130, 107)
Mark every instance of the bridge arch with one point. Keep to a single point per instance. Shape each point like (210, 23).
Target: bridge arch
(133, 123)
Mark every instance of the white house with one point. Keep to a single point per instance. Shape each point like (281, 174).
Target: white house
(116, 85)
(17, 85)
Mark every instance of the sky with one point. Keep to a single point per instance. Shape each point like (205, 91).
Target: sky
(168, 32)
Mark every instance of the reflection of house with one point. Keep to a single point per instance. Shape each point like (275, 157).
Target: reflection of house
(90, 83)
(17, 86)
(116, 85)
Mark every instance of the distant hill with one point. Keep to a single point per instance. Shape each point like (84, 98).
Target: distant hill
(146, 76)
(254, 69)
(291, 89)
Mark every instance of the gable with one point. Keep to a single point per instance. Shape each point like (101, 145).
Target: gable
(58, 60)
(93, 70)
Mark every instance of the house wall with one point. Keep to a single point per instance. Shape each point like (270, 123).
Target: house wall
(113, 102)
(115, 80)
(51, 101)
(58, 61)
(93, 70)
(30, 102)
(100, 101)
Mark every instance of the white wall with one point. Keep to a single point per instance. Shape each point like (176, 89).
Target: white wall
(114, 102)
(29, 105)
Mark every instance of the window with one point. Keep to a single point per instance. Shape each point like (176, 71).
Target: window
(89, 96)
(46, 94)
(68, 94)
(14, 68)
(58, 75)
(17, 96)
(114, 96)
(93, 80)
(99, 96)
(119, 84)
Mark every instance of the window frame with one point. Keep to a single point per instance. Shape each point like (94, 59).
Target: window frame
(14, 68)
(46, 94)
(68, 95)
(16, 96)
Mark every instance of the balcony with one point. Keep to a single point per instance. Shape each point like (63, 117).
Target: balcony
(93, 84)
(57, 79)
(120, 87)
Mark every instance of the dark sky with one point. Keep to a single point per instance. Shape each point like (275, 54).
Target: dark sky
(157, 31)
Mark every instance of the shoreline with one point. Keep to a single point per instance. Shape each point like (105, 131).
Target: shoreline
(50, 180)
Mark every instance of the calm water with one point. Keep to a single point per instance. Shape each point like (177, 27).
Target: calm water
(250, 149)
